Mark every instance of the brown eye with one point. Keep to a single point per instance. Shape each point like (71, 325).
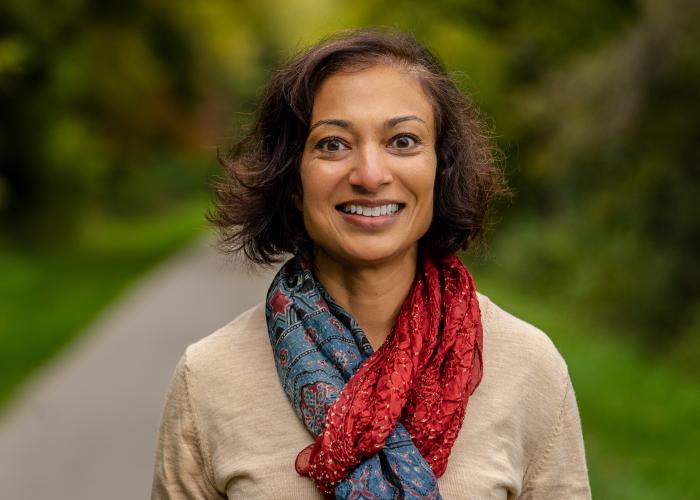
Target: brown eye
(404, 141)
(331, 145)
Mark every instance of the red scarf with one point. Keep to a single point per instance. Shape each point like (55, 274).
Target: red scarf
(422, 375)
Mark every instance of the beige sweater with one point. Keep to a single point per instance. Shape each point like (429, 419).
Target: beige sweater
(228, 429)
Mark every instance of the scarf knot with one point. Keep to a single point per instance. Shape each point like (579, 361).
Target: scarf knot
(384, 422)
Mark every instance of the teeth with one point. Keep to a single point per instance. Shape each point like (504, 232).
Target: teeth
(351, 208)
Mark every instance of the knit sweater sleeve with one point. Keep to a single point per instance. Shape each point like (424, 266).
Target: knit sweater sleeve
(558, 469)
(182, 467)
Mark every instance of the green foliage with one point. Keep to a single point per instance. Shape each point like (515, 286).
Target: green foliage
(609, 149)
(91, 94)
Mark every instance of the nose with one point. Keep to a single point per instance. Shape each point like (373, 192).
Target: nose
(370, 171)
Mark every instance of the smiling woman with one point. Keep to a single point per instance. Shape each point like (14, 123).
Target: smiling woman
(373, 367)
(371, 147)
(369, 157)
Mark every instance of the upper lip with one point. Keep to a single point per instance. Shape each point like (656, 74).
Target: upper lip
(369, 203)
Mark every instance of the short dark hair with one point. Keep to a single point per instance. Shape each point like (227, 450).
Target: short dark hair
(254, 203)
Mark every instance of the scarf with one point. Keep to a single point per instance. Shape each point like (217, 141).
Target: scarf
(384, 422)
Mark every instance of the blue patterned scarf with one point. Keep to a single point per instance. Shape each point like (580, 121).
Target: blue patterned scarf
(318, 346)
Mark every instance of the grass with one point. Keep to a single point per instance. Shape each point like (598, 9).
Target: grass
(640, 416)
(47, 298)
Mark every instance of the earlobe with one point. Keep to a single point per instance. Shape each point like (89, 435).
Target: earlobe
(297, 200)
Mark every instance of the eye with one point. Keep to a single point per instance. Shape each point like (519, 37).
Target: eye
(404, 141)
(331, 145)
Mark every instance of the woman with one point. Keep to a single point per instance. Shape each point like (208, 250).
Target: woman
(383, 374)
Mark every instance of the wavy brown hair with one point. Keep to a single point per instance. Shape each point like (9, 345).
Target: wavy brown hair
(255, 210)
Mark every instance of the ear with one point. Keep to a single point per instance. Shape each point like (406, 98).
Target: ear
(298, 201)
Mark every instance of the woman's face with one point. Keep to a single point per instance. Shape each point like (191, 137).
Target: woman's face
(368, 166)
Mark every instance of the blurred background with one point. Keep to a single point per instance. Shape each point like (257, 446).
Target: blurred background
(111, 114)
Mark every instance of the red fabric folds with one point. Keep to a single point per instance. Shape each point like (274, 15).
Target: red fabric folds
(422, 375)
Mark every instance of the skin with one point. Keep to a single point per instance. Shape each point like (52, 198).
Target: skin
(371, 141)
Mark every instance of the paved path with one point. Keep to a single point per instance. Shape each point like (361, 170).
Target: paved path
(85, 427)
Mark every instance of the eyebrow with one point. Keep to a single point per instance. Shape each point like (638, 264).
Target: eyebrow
(391, 122)
(332, 121)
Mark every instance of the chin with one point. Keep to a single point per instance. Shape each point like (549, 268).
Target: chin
(373, 253)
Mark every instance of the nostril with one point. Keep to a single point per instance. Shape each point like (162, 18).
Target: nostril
(367, 178)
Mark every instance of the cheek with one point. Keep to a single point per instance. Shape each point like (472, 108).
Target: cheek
(316, 189)
(310, 191)
(306, 189)
(428, 209)
(425, 182)
(426, 189)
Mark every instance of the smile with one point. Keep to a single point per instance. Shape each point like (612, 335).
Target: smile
(377, 211)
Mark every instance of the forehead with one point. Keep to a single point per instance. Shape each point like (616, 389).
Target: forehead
(379, 92)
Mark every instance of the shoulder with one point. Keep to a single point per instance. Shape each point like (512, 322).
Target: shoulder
(520, 347)
(247, 331)
(523, 415)
(231, 357)
(526, 379)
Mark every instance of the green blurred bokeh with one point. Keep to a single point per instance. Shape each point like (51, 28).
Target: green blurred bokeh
(111, 114)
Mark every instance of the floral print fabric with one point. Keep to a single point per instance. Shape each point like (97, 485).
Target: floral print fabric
(384, 421)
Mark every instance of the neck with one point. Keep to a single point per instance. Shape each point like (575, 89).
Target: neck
(373, 294)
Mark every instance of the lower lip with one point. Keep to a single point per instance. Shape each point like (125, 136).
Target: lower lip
(370, 223)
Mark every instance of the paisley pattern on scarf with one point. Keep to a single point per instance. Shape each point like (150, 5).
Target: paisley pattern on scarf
(384, 421)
